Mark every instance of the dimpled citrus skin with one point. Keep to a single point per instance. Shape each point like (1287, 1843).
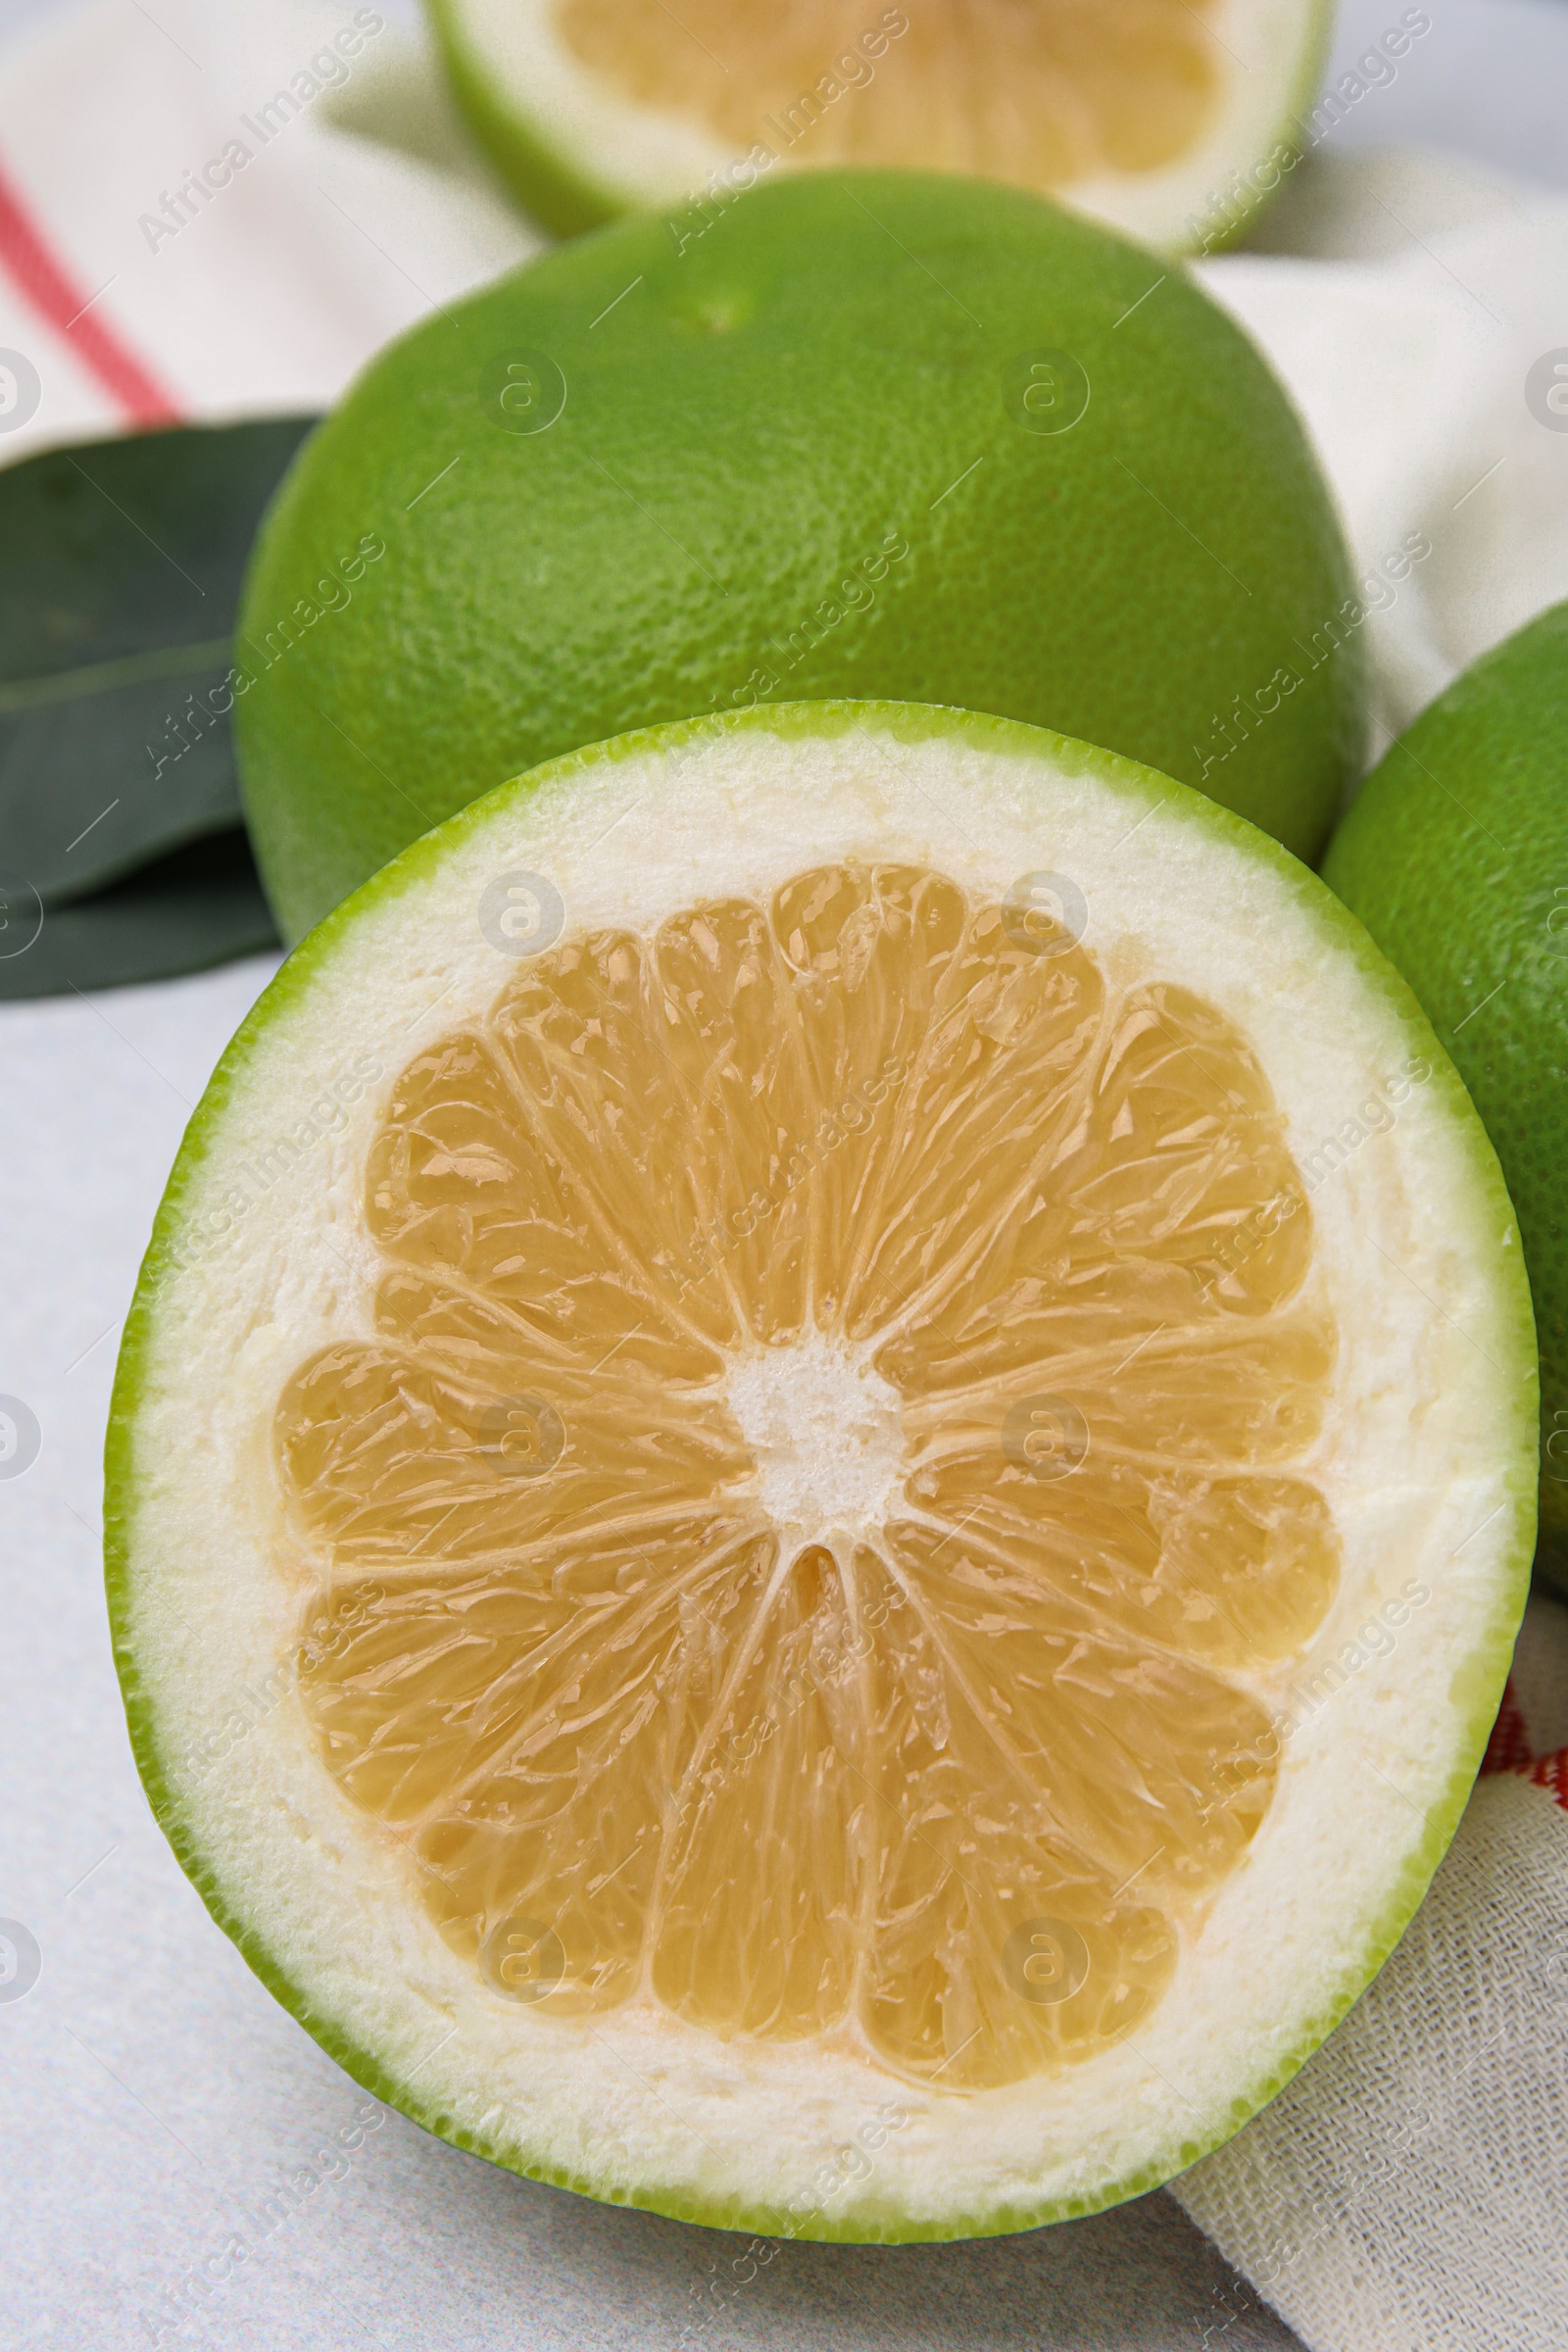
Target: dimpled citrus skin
(1455, 857)
(792, 460)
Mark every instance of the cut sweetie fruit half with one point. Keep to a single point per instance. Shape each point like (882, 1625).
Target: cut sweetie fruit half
(1169, 119)
(823, 1473)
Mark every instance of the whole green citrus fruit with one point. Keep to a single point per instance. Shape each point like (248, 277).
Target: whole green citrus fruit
(875, 434)
(1455, 856)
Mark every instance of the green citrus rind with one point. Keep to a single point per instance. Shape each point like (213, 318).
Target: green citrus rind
(1482, 1672)
(553, 188)
(1450, 856)
(1243, 212)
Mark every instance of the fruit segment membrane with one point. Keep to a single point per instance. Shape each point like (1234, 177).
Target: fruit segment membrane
(1041, 92)
(804, 1539)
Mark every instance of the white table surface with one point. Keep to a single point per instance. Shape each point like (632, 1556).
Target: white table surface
(151, 2091)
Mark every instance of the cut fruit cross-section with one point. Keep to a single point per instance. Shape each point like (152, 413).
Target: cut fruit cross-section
(811, 1462)
(1152, 114)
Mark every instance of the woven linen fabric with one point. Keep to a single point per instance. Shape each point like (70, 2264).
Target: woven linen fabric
(1416, 320)
(1405, 2192)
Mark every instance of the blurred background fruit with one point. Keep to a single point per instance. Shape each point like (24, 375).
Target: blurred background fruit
(1147, 114)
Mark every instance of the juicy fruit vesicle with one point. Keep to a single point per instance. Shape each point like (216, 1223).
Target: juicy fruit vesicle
(827, 1468)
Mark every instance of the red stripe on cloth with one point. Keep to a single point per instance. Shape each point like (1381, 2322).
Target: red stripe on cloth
(1508, 1748)
(49, 288)
(1551, 1773)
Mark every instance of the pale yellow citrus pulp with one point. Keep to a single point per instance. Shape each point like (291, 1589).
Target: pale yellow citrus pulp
(827, 1470)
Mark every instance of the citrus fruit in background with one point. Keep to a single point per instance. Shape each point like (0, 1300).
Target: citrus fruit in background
(1455, 856)
(882, 434)
(1141, 113)
(792, 1536)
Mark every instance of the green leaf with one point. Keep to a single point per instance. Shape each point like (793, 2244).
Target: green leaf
(200, 904)
(118, 594)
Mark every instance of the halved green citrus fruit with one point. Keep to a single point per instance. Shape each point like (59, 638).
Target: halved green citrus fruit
(879, 434)
(1147, 114)
(822, 1475)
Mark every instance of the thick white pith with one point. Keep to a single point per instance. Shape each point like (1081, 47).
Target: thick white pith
(1422, 1461)
(1264, 51)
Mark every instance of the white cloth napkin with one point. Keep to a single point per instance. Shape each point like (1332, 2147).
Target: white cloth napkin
(217, 212)
(341, 201)
(1418, 321)
(1407, 2192)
